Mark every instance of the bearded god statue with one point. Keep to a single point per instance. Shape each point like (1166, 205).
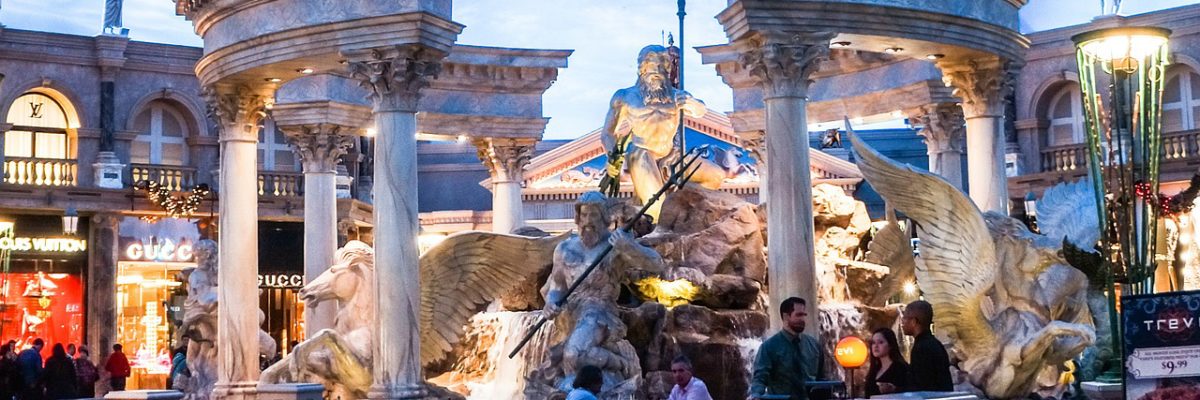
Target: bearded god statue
(650, 112)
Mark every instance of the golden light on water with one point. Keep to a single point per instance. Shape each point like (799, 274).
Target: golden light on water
(668, 293)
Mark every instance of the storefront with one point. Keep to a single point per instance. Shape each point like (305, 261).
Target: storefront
(41, 280)
(150, 293)
(280, 277)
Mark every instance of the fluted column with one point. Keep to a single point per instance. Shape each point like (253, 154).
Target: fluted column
(783, 63)
(395, 77)
(506, 160)
(237, 111)
(983, 86)
(319, 147)
(942, 127)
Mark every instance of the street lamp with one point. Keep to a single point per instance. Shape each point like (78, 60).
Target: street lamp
(1121, 73)
(70, 221)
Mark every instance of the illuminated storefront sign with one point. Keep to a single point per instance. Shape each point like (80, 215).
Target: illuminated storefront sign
(10, 242)
(281, 281)
(159, 249)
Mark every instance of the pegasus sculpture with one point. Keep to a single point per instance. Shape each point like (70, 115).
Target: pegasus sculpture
(457, 276)
(1009, 307)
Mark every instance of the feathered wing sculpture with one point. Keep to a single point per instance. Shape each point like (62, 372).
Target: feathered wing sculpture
(1032, 319)
(1068, 210)
(891, 247)
(468, 270)
(957, 249)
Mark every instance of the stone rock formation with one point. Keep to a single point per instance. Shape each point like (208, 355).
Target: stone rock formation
(711, 232)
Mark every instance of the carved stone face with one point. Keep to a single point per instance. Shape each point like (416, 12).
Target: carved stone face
(653, 67)
(340, 282)
(592, 223)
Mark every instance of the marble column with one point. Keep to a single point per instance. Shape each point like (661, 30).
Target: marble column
(395, 77)
(983, 86)
(942, 127)
(506, 160)
(319, 147)
(754, 142)
(102, 285)
(783, 63)
(237, 111)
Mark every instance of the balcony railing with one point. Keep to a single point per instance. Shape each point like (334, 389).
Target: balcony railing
(176, 178)
(1073, 157)
(39, 171)
(280, 184)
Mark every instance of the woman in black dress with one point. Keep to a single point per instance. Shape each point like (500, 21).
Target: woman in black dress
(888, 372)
(59, 378)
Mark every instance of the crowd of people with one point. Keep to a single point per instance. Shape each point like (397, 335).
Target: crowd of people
(790, 361)
(69, 373)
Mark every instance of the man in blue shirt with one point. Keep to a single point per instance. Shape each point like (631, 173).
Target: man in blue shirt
(30, 364)
(788, 359)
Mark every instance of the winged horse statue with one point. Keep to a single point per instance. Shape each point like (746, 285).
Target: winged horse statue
(457, 276)
(1009, 307)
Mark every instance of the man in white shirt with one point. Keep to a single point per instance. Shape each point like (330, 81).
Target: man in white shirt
(687, 387)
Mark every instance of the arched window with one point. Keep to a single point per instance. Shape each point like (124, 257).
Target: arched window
(1066, 117)
(162, 131)
(39, 128)
(274, 152)
(1181, 100)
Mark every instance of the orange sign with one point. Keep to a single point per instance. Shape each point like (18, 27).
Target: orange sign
(851, 352)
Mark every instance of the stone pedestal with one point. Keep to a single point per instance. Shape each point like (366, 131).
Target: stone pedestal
(319, 146)
(108, 170)
(506, 160)
(145, 395)
(1103, 390)
(983, 86)
(238, 322)
(291, 391)
(783, 63)
(942, 127)
(342, 184)
(395, 77)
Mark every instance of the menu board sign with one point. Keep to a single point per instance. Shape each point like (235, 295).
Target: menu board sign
(1162, 345)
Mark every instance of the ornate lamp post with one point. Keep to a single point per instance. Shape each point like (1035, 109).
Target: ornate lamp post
(1121, 73)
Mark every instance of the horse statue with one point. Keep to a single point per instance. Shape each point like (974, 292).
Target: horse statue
(457, 277)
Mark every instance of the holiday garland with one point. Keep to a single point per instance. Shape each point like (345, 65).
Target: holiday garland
(1171, 205)
(174, 206)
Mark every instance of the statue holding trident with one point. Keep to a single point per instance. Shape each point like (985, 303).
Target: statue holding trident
(646, 117)
(112, 15)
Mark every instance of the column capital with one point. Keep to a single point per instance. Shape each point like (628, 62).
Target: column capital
(395, 75)
(942, 126)
(236, 109)
(319, 145)
(783, 62)
(505, 158)
(982, 84)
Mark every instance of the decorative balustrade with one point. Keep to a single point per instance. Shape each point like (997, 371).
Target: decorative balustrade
(280, 184)
(1064, 158)
(176, 178)
(1176, 146)
(39, 171)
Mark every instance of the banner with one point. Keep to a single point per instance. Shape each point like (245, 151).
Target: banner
(1162, 345)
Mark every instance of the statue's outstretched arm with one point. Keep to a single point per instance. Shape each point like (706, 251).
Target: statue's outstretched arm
(691, 106)
(634, 254)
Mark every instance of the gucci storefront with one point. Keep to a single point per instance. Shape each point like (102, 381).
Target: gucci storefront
(151, 289)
